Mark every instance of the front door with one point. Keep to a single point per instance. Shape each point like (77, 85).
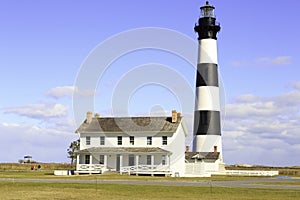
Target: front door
(87, 159)
(131, 160)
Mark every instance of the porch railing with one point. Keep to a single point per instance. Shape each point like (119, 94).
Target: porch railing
(90, 167)
(145, 168)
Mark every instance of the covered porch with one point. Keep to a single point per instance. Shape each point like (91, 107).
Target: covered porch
(125, 160)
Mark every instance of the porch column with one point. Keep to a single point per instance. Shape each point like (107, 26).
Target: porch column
(77, 161)
(105, 162)
(137, 162)
(152, 162)
(121, 161)
(91, 159)
(169, 161)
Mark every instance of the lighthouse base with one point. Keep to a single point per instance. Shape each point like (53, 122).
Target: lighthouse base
(208, 143)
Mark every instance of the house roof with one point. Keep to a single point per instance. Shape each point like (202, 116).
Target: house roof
(120, 150)
(129, 124)
(202, 155)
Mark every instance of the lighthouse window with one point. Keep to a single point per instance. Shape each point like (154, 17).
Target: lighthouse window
(207, 12)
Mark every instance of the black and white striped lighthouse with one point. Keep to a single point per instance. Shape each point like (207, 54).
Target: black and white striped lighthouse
(207, 128)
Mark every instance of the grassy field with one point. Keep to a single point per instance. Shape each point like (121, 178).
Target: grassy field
(279, 183)
(49, 175)
(10, 190)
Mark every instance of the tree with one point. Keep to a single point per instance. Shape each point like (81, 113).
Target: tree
(73, 148)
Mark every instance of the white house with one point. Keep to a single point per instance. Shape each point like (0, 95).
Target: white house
(133, 145)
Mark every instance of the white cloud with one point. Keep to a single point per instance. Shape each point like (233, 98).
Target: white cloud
(265, 61)
(68, 91)
(39, 111)
(281, 60)
(62, 91)
(262, 130)
(43, 143)
(295, 85)
(247, 98)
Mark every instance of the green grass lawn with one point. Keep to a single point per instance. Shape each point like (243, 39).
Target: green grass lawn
(11, 190)
(19, 190)
(279, 183)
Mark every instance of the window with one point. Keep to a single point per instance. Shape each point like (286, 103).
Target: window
(102, 140)
(119, 140)
(131, 140)
(148, 159)
(149, 140)
(88, 140)
(87, 159)
(163, 160)
(164, 140)
(101, 160)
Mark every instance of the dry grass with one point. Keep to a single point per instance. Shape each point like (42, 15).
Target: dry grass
(48, 174)
(284, 171)
(27, 166)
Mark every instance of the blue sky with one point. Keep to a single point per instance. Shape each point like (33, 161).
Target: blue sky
(43, 46)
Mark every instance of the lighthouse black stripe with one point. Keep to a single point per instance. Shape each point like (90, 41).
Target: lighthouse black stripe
(207, 122)
(207, 75)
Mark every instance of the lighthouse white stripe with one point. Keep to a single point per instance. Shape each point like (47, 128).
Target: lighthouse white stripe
(206, 143)
(208, 51)
(207, 98)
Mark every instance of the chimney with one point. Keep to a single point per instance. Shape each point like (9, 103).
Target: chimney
(179, 114)
(174, 116)
(215, 149)
(97, 115)
(187, 148)
(89, 117)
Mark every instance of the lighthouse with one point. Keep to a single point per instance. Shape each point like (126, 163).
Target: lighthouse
(207, 128)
